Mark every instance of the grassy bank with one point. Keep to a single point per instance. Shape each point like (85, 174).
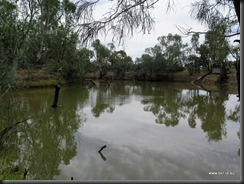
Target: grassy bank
(40, 78)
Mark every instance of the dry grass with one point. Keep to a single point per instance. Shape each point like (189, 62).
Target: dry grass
(40, 78)
(209, 79)
(35, 75)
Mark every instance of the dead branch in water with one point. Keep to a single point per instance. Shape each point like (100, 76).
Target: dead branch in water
(106, 80)
(90, 80)
(199, 79)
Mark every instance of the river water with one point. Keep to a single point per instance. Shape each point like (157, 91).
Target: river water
(152, 131)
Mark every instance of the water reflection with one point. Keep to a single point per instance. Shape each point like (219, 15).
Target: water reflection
(105, 99)
(102, 156)
(47, 140)
(171, 104)
(152, 130)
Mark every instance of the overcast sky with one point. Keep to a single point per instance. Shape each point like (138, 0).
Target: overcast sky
(165, 23)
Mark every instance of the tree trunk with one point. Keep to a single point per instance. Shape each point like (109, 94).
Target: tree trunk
(223, 74)
(55, 101)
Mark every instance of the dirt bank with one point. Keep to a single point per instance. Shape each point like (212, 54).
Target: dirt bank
(40, 78)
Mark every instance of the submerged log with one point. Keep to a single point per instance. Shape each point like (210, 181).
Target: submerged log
(56, 94)
(102, 156)
(104, 146)
(25, 174)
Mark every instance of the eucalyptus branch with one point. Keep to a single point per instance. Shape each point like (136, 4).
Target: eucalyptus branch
(209, 12)
(187, 32)
(121, 19)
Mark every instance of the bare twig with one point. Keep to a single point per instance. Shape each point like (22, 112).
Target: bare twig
(189, 31)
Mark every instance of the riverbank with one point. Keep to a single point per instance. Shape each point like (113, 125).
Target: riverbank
(40, 78)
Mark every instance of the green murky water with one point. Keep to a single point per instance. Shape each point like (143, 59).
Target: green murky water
(152, 131)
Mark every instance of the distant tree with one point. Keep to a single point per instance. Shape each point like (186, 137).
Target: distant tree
(192, 61)
(172, 48)
(158, 62)
(86, 56)
(164, 58)
(147, 63)
(195, 42)
(195, 45)
(204, 57)
(218, 48)
(101, 53)
(120, 62)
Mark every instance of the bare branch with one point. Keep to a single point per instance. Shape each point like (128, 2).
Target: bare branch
(187, 32)
(170, 4)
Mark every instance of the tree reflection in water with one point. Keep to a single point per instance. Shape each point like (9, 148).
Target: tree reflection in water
(170, 105)
(48, 139)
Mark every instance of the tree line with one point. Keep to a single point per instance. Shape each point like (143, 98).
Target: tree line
(48, 35)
